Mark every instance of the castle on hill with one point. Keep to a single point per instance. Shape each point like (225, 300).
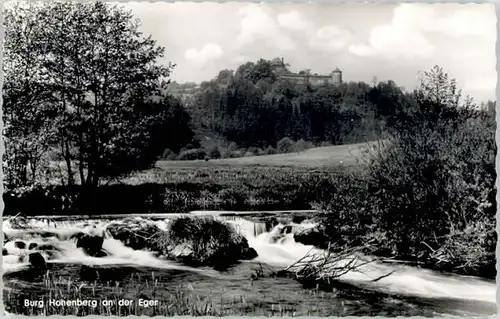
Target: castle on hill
(305, 77)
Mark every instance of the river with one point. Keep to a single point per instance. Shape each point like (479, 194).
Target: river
(408, 291)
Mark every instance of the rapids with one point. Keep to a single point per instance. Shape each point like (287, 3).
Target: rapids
(275, 248)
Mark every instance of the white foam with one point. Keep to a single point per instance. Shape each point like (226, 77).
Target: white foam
(273, 248)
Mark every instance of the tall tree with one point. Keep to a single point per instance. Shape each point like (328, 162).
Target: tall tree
(105, 85)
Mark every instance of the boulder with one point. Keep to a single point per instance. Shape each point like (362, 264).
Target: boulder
(137, 234)
(92, 245)
(47, 247)
(312, 236)
(271, 223)
(287, 230)
(20, 244)
(297, 219)
(32, 246)
(249, 254)
(37, 261)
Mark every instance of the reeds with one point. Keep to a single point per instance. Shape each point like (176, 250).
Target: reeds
(109, 300)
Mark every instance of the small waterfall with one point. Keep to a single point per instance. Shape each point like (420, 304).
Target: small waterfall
(249, 229)
(274, 244)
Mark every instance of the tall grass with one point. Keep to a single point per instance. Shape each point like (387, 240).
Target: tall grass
(180, 300)
(178, 190)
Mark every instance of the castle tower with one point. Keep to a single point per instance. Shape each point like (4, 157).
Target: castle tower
(279, 65)
(337, 76)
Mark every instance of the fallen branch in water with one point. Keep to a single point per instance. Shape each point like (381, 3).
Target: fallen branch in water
(326, 266)
(18, 221)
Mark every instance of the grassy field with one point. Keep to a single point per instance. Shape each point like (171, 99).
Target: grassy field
(319, 157)
(293, 181)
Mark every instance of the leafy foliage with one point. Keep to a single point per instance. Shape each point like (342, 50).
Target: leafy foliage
(430, 187)
(253, 106)
(90, 88)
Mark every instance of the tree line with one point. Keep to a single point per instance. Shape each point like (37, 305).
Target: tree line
(83, 87)
(253, 107)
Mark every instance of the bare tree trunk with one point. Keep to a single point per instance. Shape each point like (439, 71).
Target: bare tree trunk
(67, 159)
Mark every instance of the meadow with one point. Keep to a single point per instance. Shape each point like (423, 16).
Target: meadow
(269, 182)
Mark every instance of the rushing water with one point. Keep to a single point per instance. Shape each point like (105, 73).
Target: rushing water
(407, 291)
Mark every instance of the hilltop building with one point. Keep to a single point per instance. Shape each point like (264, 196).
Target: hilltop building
(305, 77)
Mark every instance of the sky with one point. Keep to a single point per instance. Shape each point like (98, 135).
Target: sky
(387, 41)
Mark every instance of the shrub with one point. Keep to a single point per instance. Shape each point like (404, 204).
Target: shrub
(252, 150)
(193, 154)
(470, 250)
(428, 191)
(441, 176)
(214, 152)
(210, 241)
(232, 147)
(285, 145)
(168, 155)
(302, 145)
(235, 154)
(269, 151)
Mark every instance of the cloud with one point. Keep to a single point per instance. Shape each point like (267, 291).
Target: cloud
(240, 59)
(401, 38)
(468, 20)
(331, 38)
(259, 25)
(294, 21)
(408, 33)
(481, 83)
(392, 43)
(208, 53)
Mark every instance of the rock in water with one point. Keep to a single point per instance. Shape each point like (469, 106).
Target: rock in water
(206, 242)
(32, 246)
(37, 261)
(136, 234)
(287, 230)
(4, 251)
(298, 219)
(271, 223)
(182, 251)
(20, 244)
(312, 236)
(249, 253)
(92, 245)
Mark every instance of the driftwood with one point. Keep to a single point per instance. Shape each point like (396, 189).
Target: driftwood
(327, 266)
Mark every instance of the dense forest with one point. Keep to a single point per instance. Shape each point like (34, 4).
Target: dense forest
(255, 109)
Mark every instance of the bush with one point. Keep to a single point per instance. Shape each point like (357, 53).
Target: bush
(253, 150)
(285, 145)
(235, 154)
(302, 145)
(214, 152)
(269, 151)
(190, 155)
(209, 242)
(428, 192)
(440, 175)
(470, 250)
(168, 155)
